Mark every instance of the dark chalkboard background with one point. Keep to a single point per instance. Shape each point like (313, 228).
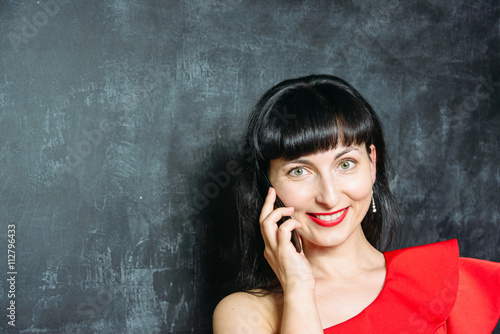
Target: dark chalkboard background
(119, 122)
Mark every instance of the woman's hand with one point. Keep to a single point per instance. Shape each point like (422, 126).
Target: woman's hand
(292, 268)
(300, 313)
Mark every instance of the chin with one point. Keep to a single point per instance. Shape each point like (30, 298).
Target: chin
(335, 238)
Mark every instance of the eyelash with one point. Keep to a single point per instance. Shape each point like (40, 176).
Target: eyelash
(295, 168)
(353, 162)
(350, 161)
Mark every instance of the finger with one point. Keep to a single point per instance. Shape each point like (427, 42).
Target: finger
(269, 226)
(268, 206)
(285, 232)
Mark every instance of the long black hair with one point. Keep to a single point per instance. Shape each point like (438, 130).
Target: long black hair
(299, 117)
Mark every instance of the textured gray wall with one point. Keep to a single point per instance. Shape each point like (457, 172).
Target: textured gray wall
(119, 120)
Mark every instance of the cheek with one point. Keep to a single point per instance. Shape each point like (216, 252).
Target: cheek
(291, 194)
(358, 188)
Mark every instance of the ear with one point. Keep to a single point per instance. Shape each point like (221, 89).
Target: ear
(373, 162)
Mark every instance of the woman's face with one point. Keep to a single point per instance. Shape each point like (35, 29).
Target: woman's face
(330, 191)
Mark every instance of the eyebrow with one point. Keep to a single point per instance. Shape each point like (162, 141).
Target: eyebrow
(305, 161)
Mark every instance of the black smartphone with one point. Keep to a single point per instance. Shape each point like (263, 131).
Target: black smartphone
(277, 204)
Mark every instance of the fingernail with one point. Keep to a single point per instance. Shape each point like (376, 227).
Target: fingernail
(269, 191)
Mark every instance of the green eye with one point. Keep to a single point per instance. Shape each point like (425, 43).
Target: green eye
(346, 164)
(299, 171)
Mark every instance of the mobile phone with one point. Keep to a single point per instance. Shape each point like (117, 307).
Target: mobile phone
(279, 204)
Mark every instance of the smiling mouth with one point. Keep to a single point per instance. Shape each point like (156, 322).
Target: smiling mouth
(329, 219)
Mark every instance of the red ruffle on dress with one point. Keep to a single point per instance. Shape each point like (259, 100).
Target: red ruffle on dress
(429, 289)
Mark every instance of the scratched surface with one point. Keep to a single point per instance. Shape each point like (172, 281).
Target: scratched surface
(119, 121)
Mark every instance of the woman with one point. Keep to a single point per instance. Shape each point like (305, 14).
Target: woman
(321, 146)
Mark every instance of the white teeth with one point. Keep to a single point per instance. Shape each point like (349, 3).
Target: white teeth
(330, 217)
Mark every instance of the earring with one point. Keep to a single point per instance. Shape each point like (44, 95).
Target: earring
(374, 209)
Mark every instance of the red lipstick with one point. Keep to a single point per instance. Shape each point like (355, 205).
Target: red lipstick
(329, 223)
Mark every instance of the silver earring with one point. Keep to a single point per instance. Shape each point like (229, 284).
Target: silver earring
(374, 209)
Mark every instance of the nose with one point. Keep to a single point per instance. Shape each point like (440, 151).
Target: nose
(327, 192)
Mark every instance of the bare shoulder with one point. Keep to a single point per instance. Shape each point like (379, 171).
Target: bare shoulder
(243, 312)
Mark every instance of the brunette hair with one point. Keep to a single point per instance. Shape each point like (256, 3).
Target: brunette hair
(299, 117)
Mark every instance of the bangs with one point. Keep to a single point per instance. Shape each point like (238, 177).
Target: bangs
(304, 120)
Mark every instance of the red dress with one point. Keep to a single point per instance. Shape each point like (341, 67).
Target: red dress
(429, 289)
